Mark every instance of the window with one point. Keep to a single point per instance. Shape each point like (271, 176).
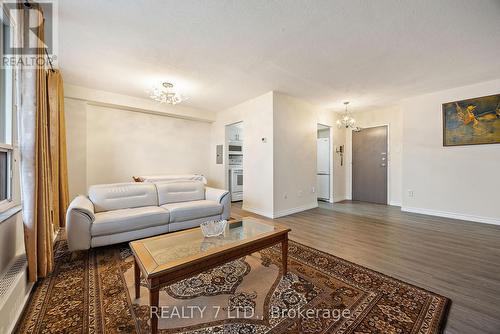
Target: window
(6, 124)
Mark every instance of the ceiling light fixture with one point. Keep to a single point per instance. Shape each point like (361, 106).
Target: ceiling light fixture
(166, 94)
(347, 121)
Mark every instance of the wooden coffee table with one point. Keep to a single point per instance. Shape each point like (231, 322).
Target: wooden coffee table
(168, 258)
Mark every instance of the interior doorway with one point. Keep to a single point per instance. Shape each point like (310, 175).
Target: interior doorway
(324, 184)
(234, 161)
(370, 164)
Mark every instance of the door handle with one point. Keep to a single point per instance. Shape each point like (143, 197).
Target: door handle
(382, 165)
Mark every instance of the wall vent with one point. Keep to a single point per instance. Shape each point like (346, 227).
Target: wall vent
(16, 269)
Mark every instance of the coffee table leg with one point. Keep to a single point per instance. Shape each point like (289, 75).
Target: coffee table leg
(284, 254)
(137, 279)
(153, 303)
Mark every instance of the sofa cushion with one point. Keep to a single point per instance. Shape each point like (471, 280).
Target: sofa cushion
(180, 191)
(178, 226)
(192, 210)
(107, 197)
(124, 220)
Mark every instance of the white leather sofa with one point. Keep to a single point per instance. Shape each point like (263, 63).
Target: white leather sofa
(114, 213)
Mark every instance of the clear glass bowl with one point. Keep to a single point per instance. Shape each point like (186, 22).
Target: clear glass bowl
(213, 228)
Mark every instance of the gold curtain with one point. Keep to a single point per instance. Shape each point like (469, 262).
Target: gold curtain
(39, 234)
(43, 154)
(57, 135)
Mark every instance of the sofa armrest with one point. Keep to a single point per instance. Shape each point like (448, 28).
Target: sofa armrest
(84, 205)
(214, 194)
(79, 219)
(220, 196)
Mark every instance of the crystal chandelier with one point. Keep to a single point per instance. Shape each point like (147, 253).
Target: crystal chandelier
(166, 94)
(347, 121)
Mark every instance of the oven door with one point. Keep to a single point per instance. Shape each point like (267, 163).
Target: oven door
(235, 149)
(236, 180)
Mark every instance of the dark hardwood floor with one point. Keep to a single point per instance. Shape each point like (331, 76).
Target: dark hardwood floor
(457, 259)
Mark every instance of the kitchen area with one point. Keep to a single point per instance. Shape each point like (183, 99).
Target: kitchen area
(234, 144)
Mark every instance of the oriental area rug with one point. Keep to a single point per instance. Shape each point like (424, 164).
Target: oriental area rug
(93, 292)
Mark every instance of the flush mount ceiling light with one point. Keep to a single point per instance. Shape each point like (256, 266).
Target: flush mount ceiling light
(347, 121)
(166, 94)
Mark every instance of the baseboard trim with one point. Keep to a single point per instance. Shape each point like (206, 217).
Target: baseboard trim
(281, 213)
(339, 199)
(297, 209)
(394, 203)
(257, 211)
(460, 216)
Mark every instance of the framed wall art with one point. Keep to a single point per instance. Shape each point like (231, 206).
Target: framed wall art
(472, 122)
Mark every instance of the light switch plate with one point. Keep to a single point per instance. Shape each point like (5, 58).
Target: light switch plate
(219, 154)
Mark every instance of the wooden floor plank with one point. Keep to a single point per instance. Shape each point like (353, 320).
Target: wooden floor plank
(457, 259)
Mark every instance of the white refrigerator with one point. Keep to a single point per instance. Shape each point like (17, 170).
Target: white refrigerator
(323, 169)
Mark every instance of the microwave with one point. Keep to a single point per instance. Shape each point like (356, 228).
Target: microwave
(235, 148)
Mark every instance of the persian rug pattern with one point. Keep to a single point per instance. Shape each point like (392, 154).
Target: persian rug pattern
(220, 280)
(90, 292)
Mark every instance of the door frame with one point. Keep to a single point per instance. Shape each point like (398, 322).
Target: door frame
(389, 161)
(330, 134)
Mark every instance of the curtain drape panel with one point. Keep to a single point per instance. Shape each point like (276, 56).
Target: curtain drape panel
(57, 136)
(42, 141)
(35, 161)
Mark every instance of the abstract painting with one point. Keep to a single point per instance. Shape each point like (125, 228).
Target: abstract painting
(471, 122)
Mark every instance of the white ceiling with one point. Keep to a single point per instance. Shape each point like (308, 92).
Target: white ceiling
(220, 53)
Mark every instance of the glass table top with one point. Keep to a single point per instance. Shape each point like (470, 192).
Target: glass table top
(177, 246)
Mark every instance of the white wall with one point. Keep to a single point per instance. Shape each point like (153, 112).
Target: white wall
(124, 143)
(286, 163)
(339, 170)
(76, 145)
(295, 146)
(295, 153)
(461, 181)
(107, 145)
(257, 117)
(391, 116)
